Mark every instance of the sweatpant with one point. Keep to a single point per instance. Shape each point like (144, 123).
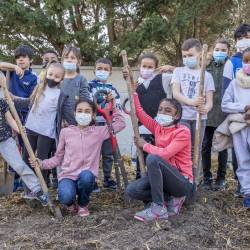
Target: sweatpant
(191, 124)
(42, 145)
(11, 154)
(162, 180)
(68, 189)
(150, 139)
(206, 156)
(241, 141)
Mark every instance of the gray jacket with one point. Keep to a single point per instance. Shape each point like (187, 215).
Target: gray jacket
(72, 90)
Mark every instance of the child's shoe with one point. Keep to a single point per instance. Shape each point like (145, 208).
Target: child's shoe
(42, 197)
(96, 189)
(73, 209)
(154, 212)
(246, 201)
(83, 211)
(110, 184)
(174, 205)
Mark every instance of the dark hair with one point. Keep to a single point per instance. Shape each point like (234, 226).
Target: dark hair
(177, 105)
(104, 61)
(23, 50)
(50, 51)
(191, 43)
(223, 41)
(244, 52)
(150, 56)
(241, 31)
(91, 104)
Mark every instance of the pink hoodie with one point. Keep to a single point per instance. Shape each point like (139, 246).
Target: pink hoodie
(80, 150)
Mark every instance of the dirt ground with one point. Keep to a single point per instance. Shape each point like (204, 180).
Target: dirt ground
(216, 221)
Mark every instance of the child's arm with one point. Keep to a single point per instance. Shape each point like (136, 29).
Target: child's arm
(197, 101)
(57, 159)
(12, 123)
(204, 109)
(228, 104)
(228, 75)
(84, 90)
(143, 117)
(179, 142)
(11, 67)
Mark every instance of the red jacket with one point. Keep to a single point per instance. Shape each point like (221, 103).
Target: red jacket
(172, 144)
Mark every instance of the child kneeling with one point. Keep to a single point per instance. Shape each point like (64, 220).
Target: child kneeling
(169, 163)
(78, 155)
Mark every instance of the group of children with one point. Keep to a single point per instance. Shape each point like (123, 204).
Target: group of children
(57, 108)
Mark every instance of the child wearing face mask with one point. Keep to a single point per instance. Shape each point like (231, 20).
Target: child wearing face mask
(236, 100)
(10, 152)
(103, 70)
(215, 118)
(186, 82)
(73, 88)
(242, 38)
(151, 89)
(41, 120)
(78, 155)
(169, 179)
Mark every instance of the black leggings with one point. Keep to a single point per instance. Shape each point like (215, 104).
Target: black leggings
(162, 180)
(43, 147)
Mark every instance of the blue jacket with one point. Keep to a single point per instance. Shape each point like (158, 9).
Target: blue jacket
(23, 87)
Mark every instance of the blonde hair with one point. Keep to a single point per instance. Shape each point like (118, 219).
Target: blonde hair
(39, 89)
(76, 52)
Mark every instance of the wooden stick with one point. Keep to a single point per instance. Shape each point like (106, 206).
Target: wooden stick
(199, 115)
(27, 143)
(131, 87)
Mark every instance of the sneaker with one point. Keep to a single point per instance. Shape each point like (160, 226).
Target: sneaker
(96, 189)
(83, 212)
(219, 185)
(42, 197)
(246, 201)
(207, 182)
(110, 184)
(73, 209)
(174, 205)
(154, 212)
(28, 195)
(237, 192)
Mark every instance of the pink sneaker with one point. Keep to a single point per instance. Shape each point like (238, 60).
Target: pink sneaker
(83, 211)
(174, 205)
(73, 209)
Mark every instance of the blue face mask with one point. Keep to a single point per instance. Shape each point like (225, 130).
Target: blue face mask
(219, 56)
(70, 67)
(190, 62)
(102, 75)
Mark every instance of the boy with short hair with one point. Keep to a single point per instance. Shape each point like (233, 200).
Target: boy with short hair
(186, 81)
(22, 79)
(102, 71)
(234, 64)
(215, 118)
(22, 83)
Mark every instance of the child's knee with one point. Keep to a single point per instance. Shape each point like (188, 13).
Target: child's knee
(66, 197)
(86, 178)
(152, 160)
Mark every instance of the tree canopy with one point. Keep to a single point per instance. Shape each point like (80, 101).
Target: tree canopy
(105, 27)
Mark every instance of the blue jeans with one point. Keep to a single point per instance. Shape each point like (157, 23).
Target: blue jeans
(83, 186)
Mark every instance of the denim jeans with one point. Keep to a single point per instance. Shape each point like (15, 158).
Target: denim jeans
(82, 187)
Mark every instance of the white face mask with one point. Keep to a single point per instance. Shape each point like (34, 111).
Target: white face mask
(83, 119)
(243, 44)
(164, 120)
